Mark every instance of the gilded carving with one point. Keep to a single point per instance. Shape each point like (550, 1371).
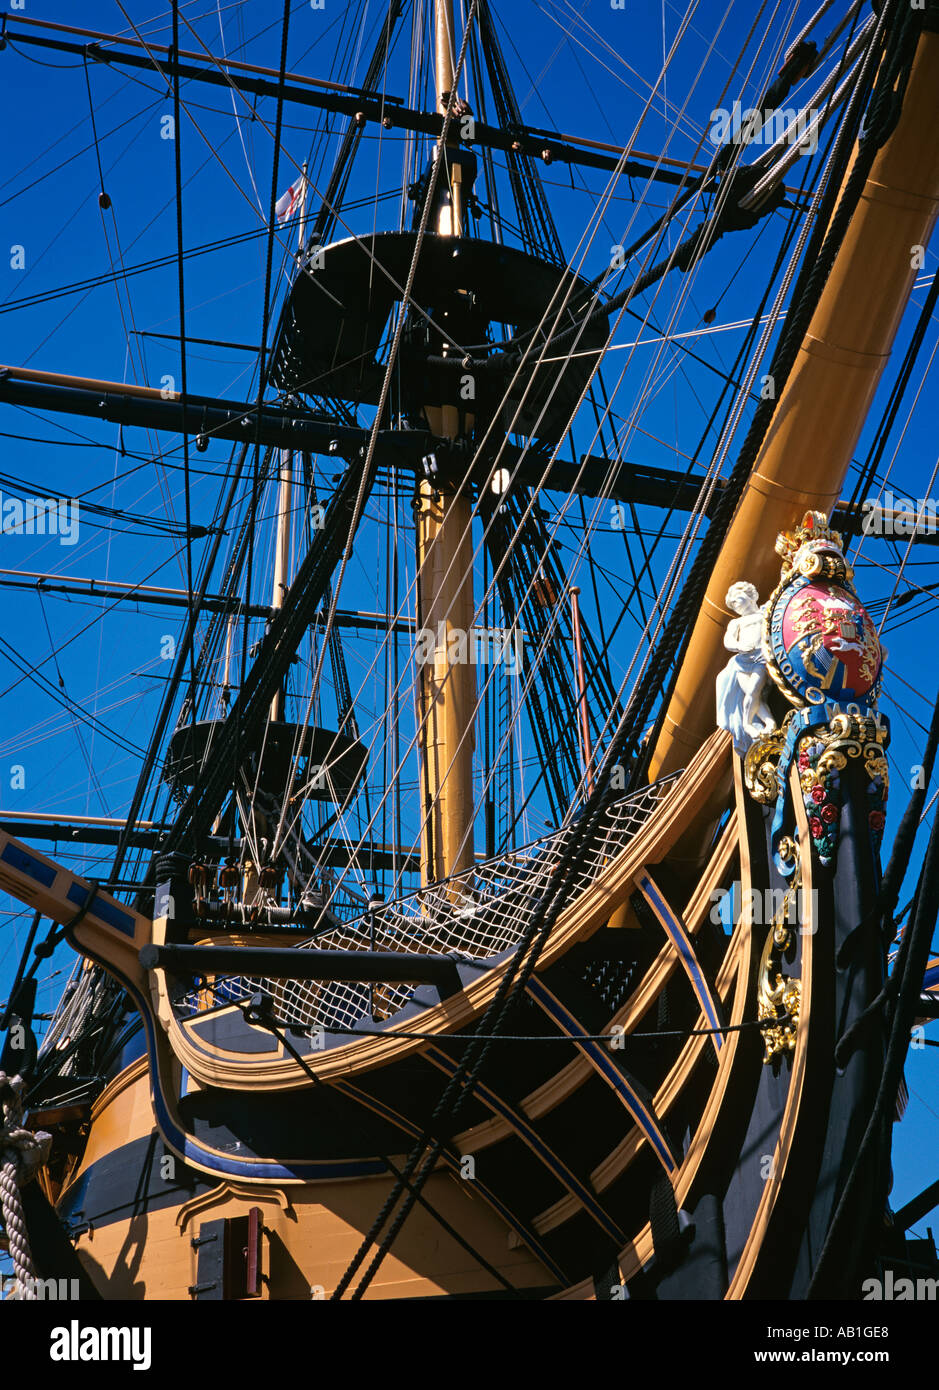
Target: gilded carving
(821, 649)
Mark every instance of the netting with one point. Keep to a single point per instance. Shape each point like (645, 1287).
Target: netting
(476, 915)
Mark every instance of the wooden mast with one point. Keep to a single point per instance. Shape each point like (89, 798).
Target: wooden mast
(282, 553)
(257, 825)
(445, 589)
(585, 750)
(822, 408)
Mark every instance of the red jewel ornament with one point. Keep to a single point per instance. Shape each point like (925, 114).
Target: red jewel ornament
(877, 820)
(829, 813)
(818, 794)
(816, 827)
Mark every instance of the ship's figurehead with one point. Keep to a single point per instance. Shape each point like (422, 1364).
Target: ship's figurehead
(820, 647)
(741, 708)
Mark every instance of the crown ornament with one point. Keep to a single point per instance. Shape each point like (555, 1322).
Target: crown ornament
(813, 549)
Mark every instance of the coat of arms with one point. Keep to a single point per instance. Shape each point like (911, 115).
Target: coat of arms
(820, 647)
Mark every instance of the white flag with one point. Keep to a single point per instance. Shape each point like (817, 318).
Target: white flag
(288, 203)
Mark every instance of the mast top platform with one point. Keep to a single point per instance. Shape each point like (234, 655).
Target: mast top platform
(340, 759)
(334, 320)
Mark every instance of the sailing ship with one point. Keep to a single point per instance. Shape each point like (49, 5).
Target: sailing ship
(480, 945)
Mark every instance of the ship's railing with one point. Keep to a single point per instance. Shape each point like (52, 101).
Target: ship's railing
(478, 914)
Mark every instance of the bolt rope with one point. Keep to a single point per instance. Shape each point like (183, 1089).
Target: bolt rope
(21, 1154)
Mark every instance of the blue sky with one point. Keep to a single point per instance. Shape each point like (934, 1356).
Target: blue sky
(583, 70)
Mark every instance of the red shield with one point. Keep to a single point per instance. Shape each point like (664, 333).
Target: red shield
(827, 632)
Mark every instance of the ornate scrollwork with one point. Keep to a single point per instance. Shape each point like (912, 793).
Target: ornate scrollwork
(823, 757)
(779, 995)
(788, 853)
(760, 767)
(778, 1006)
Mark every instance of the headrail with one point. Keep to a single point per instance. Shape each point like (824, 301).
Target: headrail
(478, 914)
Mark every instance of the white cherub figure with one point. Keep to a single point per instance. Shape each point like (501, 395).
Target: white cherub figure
(741, 709)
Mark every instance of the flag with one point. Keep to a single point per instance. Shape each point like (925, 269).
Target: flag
(289, 203)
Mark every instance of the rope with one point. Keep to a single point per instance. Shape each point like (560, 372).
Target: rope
(884, 112)
(257, 1011)
(884, 908)
(621, 1040)
(21, 1155)
(840, 1258)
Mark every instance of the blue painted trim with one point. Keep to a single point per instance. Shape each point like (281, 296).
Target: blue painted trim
(550, 1159)
(195, 1151)
(608, 1069)
(29, 865)
(524, 1232)
(677, 935)
(108, 913)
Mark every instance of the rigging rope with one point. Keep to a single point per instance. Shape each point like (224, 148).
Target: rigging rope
(184, 392)
(22, 1154)
(884, 113)
(552, 308)
(899, 998)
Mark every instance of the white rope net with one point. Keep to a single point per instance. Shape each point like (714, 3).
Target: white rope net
(476, 915)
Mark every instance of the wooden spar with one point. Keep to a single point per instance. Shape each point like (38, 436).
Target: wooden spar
(822, 408)
(257, 826)
(301, 230)
(281, 554)
(445, 566)
(249, 78)
(445, 59)
(585, 750)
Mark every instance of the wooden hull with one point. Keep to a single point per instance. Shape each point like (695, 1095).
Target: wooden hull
(144, 1247)
(676, 1166)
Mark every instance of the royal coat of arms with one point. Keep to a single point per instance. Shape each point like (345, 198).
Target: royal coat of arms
(820, 642)
(821, 649)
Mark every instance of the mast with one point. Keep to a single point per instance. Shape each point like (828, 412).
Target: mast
(282, 553)
(256, 826)
(585, 750)
(445, 587)
(821, 411)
